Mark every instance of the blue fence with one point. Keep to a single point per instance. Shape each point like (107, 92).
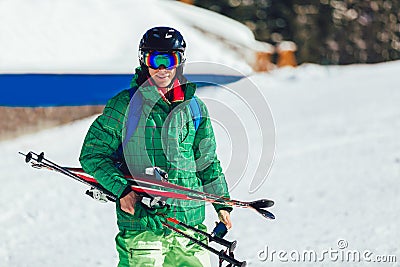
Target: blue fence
(33, 90)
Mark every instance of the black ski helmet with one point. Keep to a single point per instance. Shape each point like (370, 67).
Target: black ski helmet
(162, 39)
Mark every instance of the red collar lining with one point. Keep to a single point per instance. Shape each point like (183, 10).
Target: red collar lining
(177, 92)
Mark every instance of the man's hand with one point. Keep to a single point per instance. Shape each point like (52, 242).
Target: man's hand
(225, 217)
(128, 202)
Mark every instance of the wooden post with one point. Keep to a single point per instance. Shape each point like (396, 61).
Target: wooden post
(189, 2)
(286, 56)
(263, 57)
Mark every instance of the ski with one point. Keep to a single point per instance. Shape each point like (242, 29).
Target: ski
(155, 189)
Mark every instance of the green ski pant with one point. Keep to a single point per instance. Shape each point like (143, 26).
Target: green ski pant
(148, 248)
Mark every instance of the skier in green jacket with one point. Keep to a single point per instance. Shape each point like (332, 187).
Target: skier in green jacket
(166, 137)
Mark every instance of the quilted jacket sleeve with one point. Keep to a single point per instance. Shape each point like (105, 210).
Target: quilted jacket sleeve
(102, 140)
(207, 164)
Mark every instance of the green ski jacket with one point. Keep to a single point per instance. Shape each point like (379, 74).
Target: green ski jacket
(165, 137)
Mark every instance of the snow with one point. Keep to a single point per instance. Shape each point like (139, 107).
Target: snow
(91, 36)
(337, 159)
(335, 176)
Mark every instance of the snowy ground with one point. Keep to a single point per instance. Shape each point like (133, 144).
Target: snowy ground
(337, 163)
(335, 177)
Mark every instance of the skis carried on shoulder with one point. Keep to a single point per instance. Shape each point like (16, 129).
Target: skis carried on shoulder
(156, 190)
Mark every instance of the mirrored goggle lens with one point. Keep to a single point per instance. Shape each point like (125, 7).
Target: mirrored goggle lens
(169, 60)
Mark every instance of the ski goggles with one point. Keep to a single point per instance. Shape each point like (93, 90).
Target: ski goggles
(156, 59)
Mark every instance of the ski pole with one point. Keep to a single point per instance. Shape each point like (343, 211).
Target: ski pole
(96, 192)
(100, 193)
(221, 254)
(211, 237)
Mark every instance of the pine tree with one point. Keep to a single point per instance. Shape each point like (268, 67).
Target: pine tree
(325, 31)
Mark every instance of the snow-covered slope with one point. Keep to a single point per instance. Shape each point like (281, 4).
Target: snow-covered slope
(335, 176)
(92, 36)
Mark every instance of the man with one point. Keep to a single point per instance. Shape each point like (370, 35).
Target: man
(165, 135)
